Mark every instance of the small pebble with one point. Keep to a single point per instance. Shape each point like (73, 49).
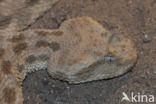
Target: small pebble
(28, 97)
(146, 36)
(67, 87)
(146, 39)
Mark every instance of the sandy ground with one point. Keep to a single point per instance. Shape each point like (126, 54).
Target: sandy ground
(136, 18)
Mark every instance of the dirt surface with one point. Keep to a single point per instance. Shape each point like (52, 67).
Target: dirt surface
(136, 19)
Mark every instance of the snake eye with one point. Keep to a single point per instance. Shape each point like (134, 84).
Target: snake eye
(110, 58)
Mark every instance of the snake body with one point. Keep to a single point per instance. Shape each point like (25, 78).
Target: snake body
(80, 50)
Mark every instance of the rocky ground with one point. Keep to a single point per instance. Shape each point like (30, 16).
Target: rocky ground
(136, 18)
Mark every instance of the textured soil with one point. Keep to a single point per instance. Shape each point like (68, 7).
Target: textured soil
(136, 18)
